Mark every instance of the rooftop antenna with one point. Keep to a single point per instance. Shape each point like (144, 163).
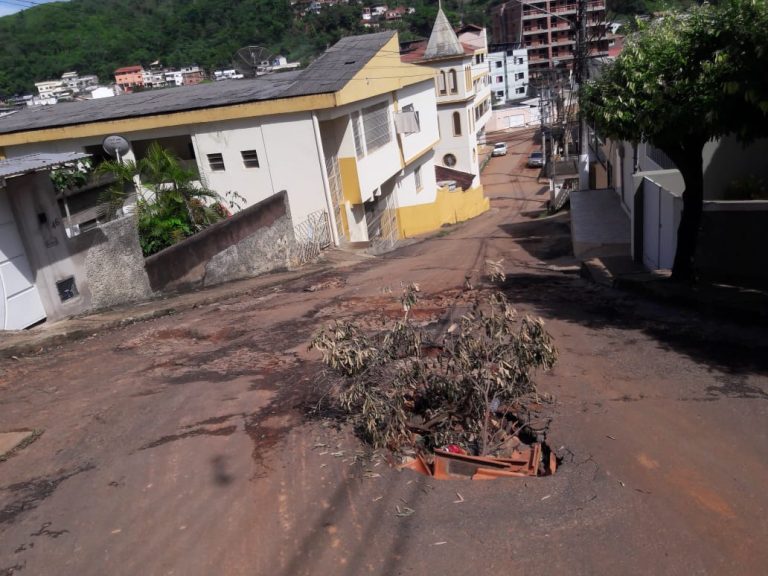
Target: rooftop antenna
(253, 61)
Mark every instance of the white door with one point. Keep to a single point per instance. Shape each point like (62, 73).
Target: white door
(20, 304)
(651, 224)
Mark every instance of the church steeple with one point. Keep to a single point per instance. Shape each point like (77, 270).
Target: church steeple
(443, 41)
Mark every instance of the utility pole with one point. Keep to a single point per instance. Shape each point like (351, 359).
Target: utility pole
(582, 53)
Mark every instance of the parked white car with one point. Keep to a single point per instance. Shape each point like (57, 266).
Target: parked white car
(499, 149)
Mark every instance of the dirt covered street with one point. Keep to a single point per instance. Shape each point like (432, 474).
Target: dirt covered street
(181, 445)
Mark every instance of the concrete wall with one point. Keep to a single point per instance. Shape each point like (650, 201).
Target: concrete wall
(109, 260)
(732, 244)
(41, 229)
(724, 161)
(518, 117)
(256, 240)
(406, 192)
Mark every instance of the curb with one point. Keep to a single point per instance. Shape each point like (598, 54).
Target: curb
(82, 327)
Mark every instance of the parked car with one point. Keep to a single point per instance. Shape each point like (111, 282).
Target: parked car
(535, 160)
(499, 149)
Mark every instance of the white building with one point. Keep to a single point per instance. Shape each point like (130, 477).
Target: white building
(49, 88)
(360, 147)
(154, 78)
(463, 92)
(230, 74)
(102, 92)
(509, 74)
(174, 77)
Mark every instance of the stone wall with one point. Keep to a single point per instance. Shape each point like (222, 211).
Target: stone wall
(109, 261)
(256, 240)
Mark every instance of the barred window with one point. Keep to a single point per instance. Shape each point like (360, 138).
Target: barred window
(216, 161)
(660, 158)
(356, 131)
(376, 126)
(417, 176)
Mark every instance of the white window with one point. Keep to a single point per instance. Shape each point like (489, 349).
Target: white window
(250, 158)
(356, 131)
(216, 161)
(441, 82)
(376, 126)
(417, 177)
(456, 124)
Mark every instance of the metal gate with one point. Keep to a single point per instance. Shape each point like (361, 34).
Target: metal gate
(381, 218)
(337, 195)
(313, 235)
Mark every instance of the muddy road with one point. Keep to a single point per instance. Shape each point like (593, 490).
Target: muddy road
(180, 445)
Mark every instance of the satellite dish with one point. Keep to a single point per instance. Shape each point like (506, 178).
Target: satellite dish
(116, 146)
(253, 61)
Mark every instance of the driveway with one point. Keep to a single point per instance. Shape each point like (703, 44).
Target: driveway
(181, 445)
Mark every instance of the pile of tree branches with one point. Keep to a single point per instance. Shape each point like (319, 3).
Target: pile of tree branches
(406, 388)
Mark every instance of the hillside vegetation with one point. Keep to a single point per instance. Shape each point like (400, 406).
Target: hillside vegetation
(98, 36)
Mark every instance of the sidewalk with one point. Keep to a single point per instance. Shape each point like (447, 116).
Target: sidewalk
(622, 273)
(46, 335)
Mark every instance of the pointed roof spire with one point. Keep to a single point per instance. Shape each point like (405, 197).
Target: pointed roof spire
(443, 41)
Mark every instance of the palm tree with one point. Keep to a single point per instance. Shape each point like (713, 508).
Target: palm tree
(172, 205)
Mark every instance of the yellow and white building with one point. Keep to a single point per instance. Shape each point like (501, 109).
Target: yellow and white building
(356, 135)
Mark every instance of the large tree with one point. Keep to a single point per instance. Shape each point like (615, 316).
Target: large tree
(682, 80)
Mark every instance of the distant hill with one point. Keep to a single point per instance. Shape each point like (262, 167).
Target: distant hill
(98, 36)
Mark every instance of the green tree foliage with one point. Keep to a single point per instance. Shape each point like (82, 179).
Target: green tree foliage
(99, 36)
(681, 81)
(174, 208)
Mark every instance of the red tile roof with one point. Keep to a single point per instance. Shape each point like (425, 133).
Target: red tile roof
(128, 69)
(416, 51)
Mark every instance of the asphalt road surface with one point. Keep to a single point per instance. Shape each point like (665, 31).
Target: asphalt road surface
(180, 445)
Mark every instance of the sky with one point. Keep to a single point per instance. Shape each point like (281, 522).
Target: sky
(13, 6)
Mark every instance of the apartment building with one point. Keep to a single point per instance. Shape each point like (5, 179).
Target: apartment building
(547, 29)
(509, 73)
(128, 78)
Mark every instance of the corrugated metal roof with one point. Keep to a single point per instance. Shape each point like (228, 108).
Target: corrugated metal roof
(33, 162)
(148, 103)
(329, 73)
(337, 65)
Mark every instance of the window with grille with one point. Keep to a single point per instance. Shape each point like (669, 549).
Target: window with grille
(216, 161)
(417, 176)
(356, 131)
(376, 126)
(250, 158)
